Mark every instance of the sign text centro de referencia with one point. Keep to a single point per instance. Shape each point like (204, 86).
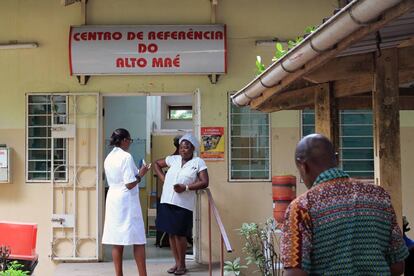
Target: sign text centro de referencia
(147, 49)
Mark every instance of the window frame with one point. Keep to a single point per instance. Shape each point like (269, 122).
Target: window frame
(341, 147)
(229, 163)
(179, 107)
(340, 161)
(27, 148)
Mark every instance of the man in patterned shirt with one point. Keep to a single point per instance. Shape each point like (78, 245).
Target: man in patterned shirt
(339, 226)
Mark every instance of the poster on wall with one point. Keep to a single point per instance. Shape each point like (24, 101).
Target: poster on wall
(147, 49)
(212, 143)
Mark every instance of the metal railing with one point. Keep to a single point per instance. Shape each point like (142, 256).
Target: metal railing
(224, 240)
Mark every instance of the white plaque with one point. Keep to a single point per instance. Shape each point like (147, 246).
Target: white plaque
(147, 49)
(3, 158)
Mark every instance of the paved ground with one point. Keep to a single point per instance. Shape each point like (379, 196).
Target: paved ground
(159, 260)
(155, 267)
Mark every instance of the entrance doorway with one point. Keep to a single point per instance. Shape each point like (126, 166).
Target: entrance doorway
(153, 121)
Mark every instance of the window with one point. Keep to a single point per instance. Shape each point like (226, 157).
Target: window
(42, 112)
(356, 140)
(180, 112)
(249, 140)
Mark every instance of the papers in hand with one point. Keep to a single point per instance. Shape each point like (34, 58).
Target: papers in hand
(143, 163)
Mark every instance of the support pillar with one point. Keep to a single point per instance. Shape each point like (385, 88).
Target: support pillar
(386, 112)
(326, 114)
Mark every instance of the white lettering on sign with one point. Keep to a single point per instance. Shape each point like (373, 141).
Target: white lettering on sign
(148, 49)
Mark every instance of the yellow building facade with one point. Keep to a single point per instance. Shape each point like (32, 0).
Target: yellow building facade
(45, 69)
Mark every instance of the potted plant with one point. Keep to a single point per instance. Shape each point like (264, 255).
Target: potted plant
(262, 247)
(232, 268)
(14, 269)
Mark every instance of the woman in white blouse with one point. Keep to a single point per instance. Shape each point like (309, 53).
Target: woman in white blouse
(123, 217)
(185, 175)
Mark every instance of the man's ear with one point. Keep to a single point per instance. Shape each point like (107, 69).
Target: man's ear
(305, 174)
(303, 165)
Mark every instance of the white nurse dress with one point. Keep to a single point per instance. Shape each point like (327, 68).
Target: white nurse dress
(123, 216)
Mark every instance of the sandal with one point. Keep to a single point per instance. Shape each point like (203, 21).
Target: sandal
(181, 271)
(172, 270)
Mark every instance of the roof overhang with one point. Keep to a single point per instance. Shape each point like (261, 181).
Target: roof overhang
(357, 20)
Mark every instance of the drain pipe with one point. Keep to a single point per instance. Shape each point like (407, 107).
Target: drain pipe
(355, 15)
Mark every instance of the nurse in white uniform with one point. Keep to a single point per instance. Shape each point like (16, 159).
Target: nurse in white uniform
(123, 217)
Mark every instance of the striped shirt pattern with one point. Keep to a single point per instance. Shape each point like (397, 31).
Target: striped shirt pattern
(342, 227)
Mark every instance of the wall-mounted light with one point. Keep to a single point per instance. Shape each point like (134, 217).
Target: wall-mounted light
(11, 46)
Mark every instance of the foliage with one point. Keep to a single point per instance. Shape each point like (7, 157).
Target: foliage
(310, 29)
(233, 267)
(253, 245)
(280, 51)
(14, 269)
(262, 246)
(259, 65)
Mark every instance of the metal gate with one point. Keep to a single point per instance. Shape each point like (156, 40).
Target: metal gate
(75, 199)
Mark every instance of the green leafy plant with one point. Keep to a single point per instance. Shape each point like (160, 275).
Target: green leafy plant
(293, 43)
(310, 29)
(260, 67)
(14, 268)
(233, 267)
(262, 247)
(281, 51)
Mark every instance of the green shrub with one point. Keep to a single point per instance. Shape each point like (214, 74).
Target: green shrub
(280, 51)
(233, 267)
(14, 269)
(262, 247)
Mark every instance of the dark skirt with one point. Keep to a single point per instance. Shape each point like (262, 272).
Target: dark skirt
(174, 220)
